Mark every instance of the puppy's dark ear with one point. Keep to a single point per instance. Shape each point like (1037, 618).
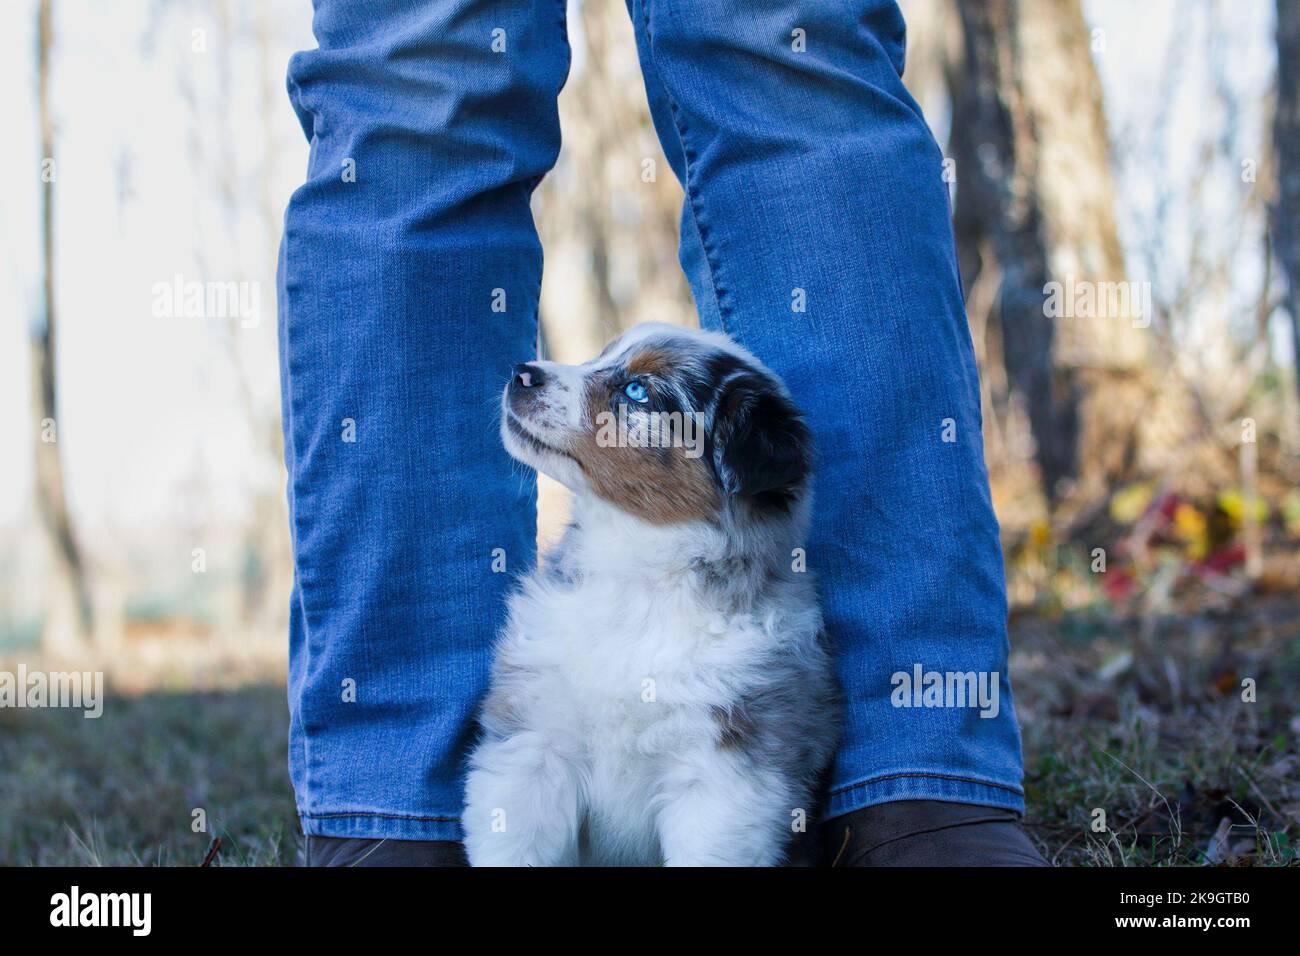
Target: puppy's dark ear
(761, 446)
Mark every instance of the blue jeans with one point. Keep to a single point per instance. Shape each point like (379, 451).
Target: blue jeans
(815, 231)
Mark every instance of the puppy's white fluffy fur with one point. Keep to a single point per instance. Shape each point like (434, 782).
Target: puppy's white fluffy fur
(661, 693)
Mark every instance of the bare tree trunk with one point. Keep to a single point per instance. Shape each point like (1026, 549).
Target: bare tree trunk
(1029, 136)
(68, 622)
(1286, 146)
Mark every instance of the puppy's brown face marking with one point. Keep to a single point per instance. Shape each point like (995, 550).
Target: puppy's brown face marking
(661, 485)
(651, 361)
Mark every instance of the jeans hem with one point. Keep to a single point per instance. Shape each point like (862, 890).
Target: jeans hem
(381, 826)
(923, 785)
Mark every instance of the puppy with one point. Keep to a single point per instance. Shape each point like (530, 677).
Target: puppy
(661, 693)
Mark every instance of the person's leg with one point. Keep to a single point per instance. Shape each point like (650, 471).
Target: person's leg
(409, 279)
(816, 231)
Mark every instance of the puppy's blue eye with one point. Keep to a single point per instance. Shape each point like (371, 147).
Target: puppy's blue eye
(636, 391)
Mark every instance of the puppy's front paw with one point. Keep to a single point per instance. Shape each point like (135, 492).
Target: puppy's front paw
(521, 806)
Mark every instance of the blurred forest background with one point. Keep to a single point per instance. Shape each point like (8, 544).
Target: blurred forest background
(1146, 472)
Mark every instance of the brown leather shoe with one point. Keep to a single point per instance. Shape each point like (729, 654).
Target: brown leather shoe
(928, 833)
(356, 851)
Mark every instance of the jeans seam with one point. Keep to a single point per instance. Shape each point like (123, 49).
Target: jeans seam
(930, 775)
(693, 200)
(563, 24)
(292, 443)
(369, 814)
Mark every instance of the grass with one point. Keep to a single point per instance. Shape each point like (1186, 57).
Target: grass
(121, 790)
(1185, 771)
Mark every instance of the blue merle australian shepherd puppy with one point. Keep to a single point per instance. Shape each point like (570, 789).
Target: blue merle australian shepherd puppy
(662, 692)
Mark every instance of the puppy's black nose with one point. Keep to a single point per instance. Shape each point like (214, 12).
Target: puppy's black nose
(528, 376)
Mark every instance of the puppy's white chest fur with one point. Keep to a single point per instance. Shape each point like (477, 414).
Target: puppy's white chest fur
(640, 661)
(618, 685)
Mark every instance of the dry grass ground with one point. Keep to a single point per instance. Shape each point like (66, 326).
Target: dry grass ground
(1186, 772)
(121, 790)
